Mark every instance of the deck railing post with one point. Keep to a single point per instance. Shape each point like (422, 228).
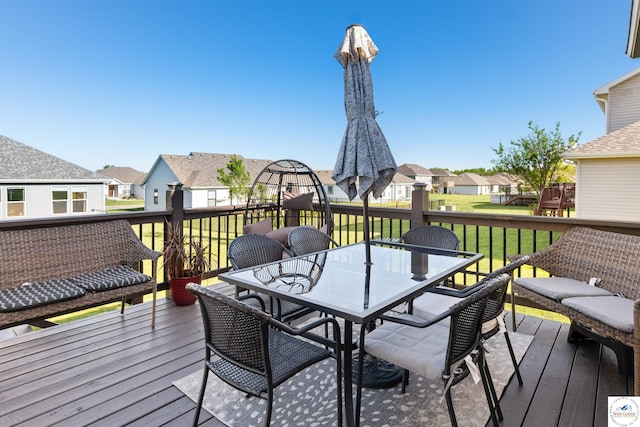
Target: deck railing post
(175, 202)
(419, 204)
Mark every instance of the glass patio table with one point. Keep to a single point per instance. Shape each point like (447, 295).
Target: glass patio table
(339, 282)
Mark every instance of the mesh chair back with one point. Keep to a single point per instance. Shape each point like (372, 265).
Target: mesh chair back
(432, 236)
(495, 303)
(305, 240)
(466, 318)
(254, 249)
(233, 330)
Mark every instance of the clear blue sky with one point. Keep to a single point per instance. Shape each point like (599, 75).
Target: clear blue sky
(119, 82)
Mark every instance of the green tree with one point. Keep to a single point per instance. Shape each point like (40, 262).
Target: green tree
(236, 177)
(537, 157)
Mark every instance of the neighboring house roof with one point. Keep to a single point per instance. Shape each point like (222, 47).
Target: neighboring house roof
(623, 142)
(470, 179)
(441, 172)
(124, 175)
(201, 169)
(410, 169)
(325, 177)
(400, 178)
(20, 163)
(602, 93)
(498, 179)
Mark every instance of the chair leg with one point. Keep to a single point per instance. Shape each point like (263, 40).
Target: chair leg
(124, 300)
(487, 389)
(494, 395)
(267, 417)
(513, 357)
(452, 414)
(405, 380)
(203, 386)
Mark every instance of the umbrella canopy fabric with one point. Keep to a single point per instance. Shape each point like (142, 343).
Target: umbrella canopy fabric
(364, 157)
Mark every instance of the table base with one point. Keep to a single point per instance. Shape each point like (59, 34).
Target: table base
(377, 373)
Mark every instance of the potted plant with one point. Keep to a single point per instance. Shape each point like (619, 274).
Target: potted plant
(185, 261)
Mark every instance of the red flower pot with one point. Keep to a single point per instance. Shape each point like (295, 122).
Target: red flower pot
(177, 291)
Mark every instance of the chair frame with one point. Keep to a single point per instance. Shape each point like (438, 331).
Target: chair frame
(472, 307)
(250, 250)
(306, 240)
(251, 368)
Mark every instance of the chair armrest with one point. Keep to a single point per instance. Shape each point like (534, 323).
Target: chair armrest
(305, 331)
(410, 320)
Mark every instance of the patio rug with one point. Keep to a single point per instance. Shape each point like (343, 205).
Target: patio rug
(308, 398)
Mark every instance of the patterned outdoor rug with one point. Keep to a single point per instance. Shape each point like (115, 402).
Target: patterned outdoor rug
(308, 399)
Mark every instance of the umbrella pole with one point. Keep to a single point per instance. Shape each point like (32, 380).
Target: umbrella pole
(365, 228)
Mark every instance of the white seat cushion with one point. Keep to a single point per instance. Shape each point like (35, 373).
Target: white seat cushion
(559, 288)
(429, 305)
(420, 350)
(614, 311)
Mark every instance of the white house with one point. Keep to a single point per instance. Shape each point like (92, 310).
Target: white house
(125, 182)
(34, 184)
(198, 173)
(608, 176)
(398, 190)
(418, 173)
(620, 101)
(471, 183)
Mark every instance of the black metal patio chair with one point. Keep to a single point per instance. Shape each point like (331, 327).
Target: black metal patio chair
(438, 300)
(433, 348)
(251, 250)
(305, 240)
(255, 353)
(433, 236)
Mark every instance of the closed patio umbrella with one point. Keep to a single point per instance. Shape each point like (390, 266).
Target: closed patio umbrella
(365, 164)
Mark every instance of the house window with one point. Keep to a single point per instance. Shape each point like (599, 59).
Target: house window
(79, 202)
(329, 189)
(59, 200)
(155, 196)
(211, 198)
(15, 202)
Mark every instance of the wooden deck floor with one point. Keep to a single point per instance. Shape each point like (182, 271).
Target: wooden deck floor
(113, 370)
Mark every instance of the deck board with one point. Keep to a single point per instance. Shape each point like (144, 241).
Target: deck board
(113, 370)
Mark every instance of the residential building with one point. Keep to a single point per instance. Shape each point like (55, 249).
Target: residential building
(471, 183)
(198, 174)
(608, 176)
(620, 101)
(34, 184)
(442, 181)
(125, 182)
(398, 190)
(418, 173)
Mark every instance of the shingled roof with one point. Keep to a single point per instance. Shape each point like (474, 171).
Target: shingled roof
(411, 169)
(201, 169)
(20, 163)
(623, 142)
(125, 175)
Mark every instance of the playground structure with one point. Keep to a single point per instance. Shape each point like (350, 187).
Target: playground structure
(556, 199)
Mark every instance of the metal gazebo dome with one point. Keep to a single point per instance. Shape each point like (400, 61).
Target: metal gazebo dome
(290, 193)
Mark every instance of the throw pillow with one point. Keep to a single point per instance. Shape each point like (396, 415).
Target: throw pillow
(262, 227)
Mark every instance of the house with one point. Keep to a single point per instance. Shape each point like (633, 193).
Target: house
(398, 190)
(418, 173)
(608, 176)
(442, 181)
(502, 183)
(125, 182)
(198, 173)
(34, 184)
(620, 101)
(471, 183)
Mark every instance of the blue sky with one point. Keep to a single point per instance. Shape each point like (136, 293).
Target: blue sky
(121, 81)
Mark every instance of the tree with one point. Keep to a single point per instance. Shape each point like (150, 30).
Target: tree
(535, 158)
(236, 177)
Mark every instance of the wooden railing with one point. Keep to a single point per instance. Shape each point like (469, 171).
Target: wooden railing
(496, 236)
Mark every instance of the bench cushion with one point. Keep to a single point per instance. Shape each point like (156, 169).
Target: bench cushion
(36, 294)
(614, 311)
(559, 288)
(110, 278)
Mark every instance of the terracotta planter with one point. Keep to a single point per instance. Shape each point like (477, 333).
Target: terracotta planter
(178, 293)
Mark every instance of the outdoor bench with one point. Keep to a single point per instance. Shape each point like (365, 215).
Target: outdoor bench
(595, 282)
(56, 269)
